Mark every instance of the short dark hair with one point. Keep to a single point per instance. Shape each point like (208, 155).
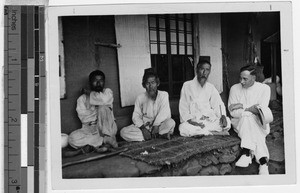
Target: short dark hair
(201, 62)
(96, 73)
(250, 68)
(149, 72)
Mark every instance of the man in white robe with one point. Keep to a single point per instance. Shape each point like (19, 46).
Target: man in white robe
(152, 115)
(202, 111)
(244, 100)
(94, 109)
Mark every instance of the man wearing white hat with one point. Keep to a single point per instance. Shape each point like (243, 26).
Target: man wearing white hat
(248, 105)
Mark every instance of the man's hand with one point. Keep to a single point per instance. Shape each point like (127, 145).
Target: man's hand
(146, 133)
(154, 132)
(235, 106)
(223, 121)
(253, 109)
(196, 124)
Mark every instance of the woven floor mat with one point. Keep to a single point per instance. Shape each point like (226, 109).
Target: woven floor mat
(166, 152)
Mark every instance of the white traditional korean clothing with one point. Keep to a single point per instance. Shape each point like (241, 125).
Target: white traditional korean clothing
(150, 113)
(202, 105)
(96, 115)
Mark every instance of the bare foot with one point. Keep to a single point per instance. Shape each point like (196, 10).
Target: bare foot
(111, 141)
(101, 149)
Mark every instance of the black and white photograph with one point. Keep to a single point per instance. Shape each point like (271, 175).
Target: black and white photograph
(171, 92)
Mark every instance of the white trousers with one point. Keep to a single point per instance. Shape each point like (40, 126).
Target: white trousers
(252, 135)
(93, 134)
(188, 130)
(133, 133)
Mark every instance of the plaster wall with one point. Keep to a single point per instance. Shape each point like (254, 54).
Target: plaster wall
(210, 45)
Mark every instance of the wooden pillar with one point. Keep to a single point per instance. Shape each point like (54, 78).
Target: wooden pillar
(273, 62)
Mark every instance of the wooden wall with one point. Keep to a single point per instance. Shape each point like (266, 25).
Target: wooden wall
(234, 31)
(82, 57)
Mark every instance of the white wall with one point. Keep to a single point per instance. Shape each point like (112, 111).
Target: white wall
(209, 28)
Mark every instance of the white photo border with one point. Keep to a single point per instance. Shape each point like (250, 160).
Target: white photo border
(53, 96)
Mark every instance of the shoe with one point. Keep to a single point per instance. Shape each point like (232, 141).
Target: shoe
(244, 161)
(263, 169)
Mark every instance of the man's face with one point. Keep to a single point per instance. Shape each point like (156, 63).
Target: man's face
(246, 79)
(97, 83)
(151, 86)
(203, 72)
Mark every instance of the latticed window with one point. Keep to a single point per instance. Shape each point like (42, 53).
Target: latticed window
(171, 44)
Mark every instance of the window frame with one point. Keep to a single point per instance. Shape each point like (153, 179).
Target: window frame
(185, 18)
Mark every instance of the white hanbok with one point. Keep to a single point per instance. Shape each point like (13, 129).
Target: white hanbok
(96, 115)
(202, 105)
(149, 113)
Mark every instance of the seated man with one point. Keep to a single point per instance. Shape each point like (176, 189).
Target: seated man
(245, 99)
(152, 114)
(94, 109)
(202, 111)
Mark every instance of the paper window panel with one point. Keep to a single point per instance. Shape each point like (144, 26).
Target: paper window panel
(173, 37)
(189, 38)
(188, 27)
(153, 48)
(181, 25)
(162, 36)
(153, 36)
(173, 49)
(172, 24)
(181, 50)
(181, 38)
(163, 49)
(189, 50)
(162, 23)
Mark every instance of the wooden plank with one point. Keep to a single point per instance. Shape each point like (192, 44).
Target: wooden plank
(92, 158)
(134, 55)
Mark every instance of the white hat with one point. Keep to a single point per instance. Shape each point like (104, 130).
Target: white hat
(265, 115)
